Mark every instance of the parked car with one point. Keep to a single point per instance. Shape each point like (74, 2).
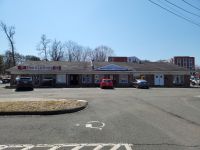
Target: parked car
(5, 80)
(24, 83)
(139, 83)
(106, 83)
(195, 81)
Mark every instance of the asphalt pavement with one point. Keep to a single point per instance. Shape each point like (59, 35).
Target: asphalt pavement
(123, 118)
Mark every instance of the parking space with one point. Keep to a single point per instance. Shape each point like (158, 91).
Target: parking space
(146, 118)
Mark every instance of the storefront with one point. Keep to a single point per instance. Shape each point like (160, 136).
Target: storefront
(86, 74)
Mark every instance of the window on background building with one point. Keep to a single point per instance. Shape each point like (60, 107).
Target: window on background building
(123, 78)
(191, 63)
(178, 79)
(86, 78)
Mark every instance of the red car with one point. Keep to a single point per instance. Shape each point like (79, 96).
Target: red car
(106, 83)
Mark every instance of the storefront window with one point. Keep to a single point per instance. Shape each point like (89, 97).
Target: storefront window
(178, 79)
(123, 78)
(87, 78)
(61, 78)
(48, 80)
(97, 78)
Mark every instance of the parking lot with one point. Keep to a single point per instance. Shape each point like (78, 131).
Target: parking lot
(155, 118)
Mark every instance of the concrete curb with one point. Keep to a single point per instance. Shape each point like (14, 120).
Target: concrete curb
(55, 112)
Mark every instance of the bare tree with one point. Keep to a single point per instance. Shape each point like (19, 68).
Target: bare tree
(32, 58)
(10, 32)
(73, 51)
(57, 51)
(19, 58)
(86, 55)
(101, 53)
(43, 46)
(7, 58)
(8, 61)
(1, 65)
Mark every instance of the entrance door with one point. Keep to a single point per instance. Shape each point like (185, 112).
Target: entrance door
(36, 80)
(159, 79)
(74, 79)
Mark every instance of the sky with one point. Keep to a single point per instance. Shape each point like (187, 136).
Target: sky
(130, 27)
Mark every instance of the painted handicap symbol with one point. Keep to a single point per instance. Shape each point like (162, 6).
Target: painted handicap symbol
(95, 125)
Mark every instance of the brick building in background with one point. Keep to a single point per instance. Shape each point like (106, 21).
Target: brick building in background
(185, 61)
(132, 59)
(117, 59)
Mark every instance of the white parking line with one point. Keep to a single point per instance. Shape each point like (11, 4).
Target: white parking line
(115, 147)
(74, 146)
(3, 147)
(98, 147)
(28, 147)
(55, 147)
(78, 147)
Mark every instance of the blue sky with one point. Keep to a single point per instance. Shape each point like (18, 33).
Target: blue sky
(130, 27)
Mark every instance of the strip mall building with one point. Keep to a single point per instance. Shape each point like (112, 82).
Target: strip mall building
(86, 74)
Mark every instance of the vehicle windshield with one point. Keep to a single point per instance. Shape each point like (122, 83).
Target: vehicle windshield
(24, 79)
(143, 81)
(108, 81)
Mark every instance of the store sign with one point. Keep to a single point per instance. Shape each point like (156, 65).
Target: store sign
(44, 68)
(112, 67)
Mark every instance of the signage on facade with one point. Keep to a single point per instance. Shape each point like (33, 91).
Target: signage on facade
(44, 68)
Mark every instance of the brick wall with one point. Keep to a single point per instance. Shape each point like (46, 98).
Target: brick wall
(117, 59)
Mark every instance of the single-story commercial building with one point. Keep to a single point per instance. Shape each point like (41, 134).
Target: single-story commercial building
(89, 74)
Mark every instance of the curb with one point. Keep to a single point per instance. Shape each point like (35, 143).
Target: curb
(54, 112)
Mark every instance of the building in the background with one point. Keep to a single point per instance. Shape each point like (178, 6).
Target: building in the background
(197, 73)
(164, 60)
(117, 59)
(85, 74)
(132, 59)
(185, 61)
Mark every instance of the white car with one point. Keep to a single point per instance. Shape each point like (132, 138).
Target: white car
(195, 81)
